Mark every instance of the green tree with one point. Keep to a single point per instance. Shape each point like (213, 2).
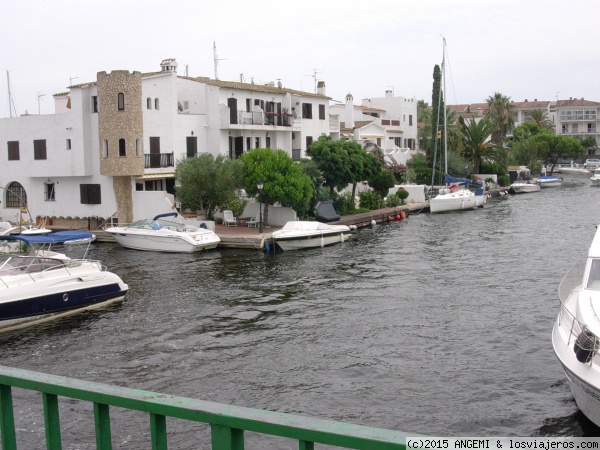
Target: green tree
(478, 146)
(381, 182)
(540, 117)
(421, 169)
(437, 105)
(311, 169)
(552, 147)
(283, 179)
(500, 113)
(208, 183)
(424, 126)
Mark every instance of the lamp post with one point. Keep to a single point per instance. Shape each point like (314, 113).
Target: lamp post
(260, 186)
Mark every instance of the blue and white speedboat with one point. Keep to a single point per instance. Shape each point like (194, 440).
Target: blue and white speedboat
(45, 284)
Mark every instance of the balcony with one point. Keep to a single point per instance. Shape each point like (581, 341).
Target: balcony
(262, 118)
(158, 160)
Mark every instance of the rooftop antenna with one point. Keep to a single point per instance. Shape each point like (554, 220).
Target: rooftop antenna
(39, 95)
(216, 60)
(11, 101)
(314, 75)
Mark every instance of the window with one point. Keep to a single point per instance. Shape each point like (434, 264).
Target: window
(13, 151)
(257, 142)
(49, 191)
(268, 142)
(306, 110)
(309, 140)
(105, 148)
(156, 104)
(39, 149)
(94, 103)
(90, 194)
(121, 101)
(68, 144)
(248, 143)
(148, 103)
(122, 149)
(321, 112)
(385, 121)
(410, 119)
(395, 123)
(398, 142)
(15, 195)
(138, 147)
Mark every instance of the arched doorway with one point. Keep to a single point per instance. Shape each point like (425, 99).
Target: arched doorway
(15, 195)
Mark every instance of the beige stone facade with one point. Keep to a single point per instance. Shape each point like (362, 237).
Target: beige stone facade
(120, 132)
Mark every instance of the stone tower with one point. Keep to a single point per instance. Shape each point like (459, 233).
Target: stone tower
(120, 132)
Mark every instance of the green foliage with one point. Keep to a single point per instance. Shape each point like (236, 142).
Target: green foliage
(402, 194)
(382, 181)
(392, 201)
(424, 129)
(421, 169)
(478, 147)
(370, 200)
(344, 204)
(504, 180)
(551, 147)
(208, 183)
(500, 113)
(283, 179)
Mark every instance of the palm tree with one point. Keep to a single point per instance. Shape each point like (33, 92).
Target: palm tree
(500, 113)
(477, 144)
(540, 117)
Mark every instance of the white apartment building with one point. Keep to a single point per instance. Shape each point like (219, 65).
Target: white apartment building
(112, 145)
(390, 122)
(575, 117)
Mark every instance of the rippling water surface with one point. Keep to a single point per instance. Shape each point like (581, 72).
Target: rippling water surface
(437, 325)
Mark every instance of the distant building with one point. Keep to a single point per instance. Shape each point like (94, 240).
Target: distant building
(112, 145)
(578, 118)
(388, 122)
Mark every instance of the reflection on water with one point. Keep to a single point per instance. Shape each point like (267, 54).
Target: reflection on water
(437, 325)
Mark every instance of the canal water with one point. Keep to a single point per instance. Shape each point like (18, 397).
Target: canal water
(437, 325)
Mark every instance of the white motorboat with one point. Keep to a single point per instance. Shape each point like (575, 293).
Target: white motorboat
(45, 285)
(549, 181)
(576, 333)
(163, 235)
(595, 178)
(296, 235)
(523, 187)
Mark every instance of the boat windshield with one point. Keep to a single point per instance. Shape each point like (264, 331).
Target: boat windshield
(594, 275)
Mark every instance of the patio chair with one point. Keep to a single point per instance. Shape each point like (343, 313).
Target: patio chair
(228, 218)
(254, 221)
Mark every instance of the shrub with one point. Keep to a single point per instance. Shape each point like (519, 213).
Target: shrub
(393, 201)
(402, 194)
(369, 200)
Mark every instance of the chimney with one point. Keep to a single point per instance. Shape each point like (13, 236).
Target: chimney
(389, 93)
(349, 111)
(321, 87)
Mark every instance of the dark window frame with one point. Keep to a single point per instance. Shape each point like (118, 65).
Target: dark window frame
(13, 151)
(321, 112)
(90, 194)
(121, 101)
(39, 149)
(307, 111)
(122, 147)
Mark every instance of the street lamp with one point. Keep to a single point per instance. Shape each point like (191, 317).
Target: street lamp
(260, 186)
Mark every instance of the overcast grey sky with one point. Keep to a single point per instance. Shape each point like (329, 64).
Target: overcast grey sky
(525, 49)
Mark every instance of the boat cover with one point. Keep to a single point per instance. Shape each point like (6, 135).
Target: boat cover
(169, 214)
(326, 212)
(466, 181)
(58, 237)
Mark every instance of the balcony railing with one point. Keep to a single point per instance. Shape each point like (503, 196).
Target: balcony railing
(264, 118)
(227, 423)
(158, 160)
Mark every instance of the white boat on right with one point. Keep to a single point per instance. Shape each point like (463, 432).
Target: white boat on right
(298, 234)
(576, 332)
(595, 178)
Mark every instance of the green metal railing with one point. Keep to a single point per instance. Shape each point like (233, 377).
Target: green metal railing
(227, 423)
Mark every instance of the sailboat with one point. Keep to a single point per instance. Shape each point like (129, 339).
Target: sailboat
(455, 195)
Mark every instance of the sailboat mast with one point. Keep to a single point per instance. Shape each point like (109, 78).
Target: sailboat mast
(445, 117)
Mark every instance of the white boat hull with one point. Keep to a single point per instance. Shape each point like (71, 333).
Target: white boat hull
(456, 201)
(164, 240)
(595, 181)
(298, 235)
(39, 296)
(525, 188)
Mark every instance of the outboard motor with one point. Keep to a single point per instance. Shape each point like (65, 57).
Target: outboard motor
(584, 346)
